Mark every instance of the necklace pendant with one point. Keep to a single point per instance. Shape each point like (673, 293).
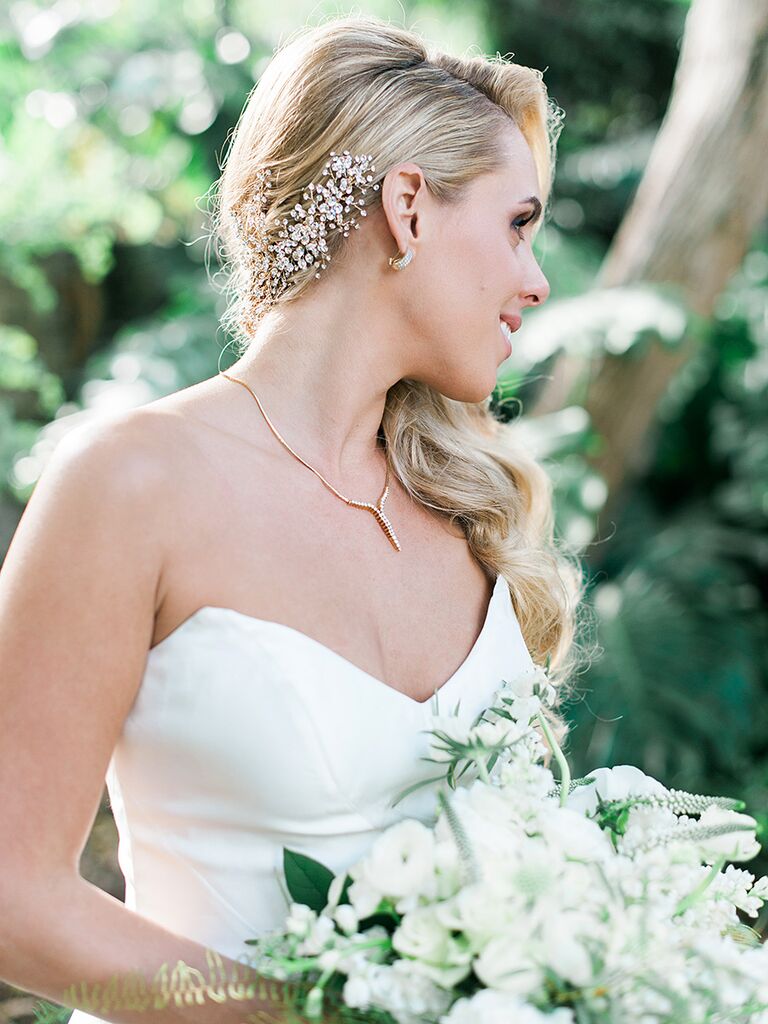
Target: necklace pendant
(386, 526)
(379, 515)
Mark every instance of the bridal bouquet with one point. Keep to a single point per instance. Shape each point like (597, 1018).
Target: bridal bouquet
(589, 901)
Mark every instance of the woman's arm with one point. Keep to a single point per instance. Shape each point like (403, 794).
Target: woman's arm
(79, 591)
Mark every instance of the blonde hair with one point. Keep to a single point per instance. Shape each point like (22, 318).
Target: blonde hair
(360, 83)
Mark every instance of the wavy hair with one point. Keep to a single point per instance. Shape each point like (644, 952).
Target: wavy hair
(360, 83)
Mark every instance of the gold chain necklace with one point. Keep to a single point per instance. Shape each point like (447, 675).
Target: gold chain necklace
(376, 510)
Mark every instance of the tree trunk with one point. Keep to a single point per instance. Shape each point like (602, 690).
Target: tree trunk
(703, 194)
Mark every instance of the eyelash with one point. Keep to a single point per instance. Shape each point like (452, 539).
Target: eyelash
(518, 227)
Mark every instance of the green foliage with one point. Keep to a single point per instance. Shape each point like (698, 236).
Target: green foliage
(307, 879)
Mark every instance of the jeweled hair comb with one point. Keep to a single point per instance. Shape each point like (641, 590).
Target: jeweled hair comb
(302, 244)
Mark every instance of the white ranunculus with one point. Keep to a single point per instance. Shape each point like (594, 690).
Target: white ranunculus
(738, 846)
(617, 783)
(400, 863)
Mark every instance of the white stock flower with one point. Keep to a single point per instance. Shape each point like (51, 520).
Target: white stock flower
(318, 936)
(300, 919)
(357, 991)
(408, 995)
(346, 918)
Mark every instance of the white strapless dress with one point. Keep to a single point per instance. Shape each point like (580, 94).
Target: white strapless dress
(247, 735)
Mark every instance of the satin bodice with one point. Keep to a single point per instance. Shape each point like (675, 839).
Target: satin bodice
(247, 735)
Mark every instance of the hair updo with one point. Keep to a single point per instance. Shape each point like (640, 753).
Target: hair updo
(360, 83)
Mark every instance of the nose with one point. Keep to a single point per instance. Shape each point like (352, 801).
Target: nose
(535, 288)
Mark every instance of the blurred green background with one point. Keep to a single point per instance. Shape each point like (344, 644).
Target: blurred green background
(112, 125)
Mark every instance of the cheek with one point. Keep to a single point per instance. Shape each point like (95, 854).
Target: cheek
(460, 285)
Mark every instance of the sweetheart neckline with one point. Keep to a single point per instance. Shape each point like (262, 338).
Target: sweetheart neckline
(257, 622)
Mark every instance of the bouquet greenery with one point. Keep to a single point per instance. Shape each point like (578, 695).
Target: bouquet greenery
(589, 901)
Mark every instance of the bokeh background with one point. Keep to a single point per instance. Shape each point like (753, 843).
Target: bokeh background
(642, 384)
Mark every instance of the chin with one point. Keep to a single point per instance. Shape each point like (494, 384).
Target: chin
(470, 389)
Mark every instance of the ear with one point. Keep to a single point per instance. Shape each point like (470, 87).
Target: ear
(404, 200)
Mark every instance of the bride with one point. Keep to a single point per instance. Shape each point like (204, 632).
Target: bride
(239, 603)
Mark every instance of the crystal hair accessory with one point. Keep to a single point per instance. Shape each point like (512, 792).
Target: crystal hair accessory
(344, 183)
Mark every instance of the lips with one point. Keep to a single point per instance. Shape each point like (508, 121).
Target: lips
(513, 320)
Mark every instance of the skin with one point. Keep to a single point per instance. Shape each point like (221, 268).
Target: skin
(190, 500)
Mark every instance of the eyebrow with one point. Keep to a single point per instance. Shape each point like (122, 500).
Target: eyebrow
(536, 204)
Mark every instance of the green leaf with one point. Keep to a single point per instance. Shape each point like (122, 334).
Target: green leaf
(308, 880)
